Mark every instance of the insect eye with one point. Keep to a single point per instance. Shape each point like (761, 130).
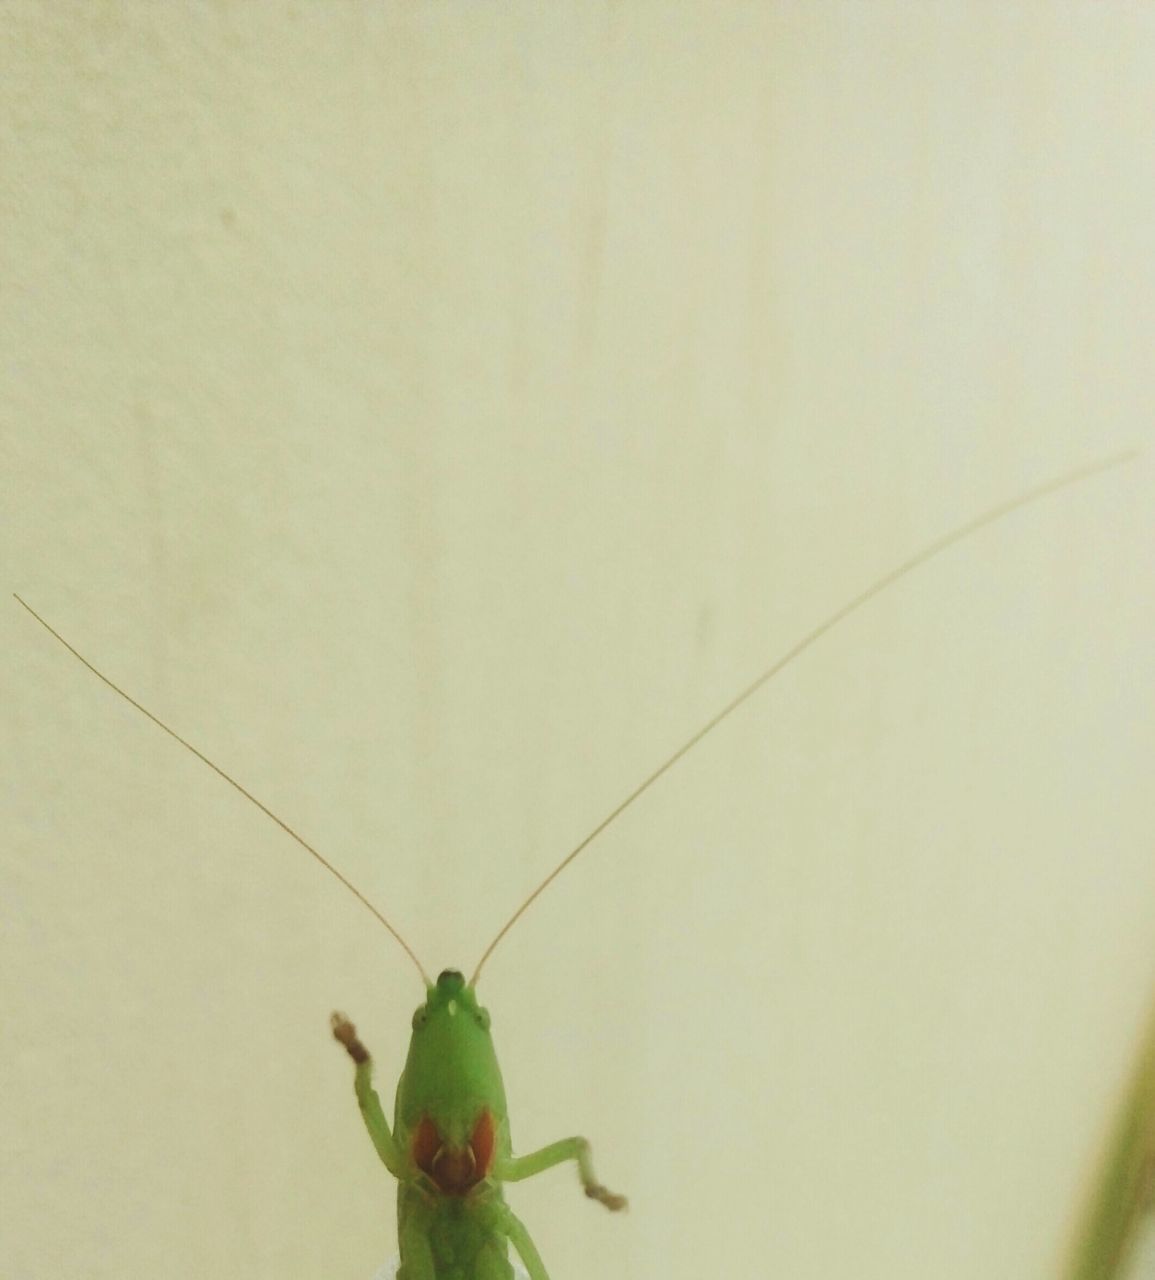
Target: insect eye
(420, 1017)
(482, 1016)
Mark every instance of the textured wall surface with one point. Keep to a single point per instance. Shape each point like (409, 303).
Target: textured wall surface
(436, 411)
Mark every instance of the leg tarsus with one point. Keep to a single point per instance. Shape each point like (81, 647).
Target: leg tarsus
(346, 1033)
(604, 1195)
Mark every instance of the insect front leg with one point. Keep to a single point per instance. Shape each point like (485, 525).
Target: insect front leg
(367, 1099)
(515, 1168)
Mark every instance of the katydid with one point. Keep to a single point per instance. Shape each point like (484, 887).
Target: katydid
(449, 1146)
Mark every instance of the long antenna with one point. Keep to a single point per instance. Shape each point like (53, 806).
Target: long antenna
(200, 755)
(916, 561)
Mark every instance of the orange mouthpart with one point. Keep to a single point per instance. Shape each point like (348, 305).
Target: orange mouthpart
(454, 1171)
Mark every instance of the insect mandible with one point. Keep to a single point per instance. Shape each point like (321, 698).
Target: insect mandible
(449, 1145)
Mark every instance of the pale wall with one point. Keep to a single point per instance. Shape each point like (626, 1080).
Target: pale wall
(437, 410)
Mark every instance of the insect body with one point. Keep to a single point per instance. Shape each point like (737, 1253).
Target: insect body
(449, 1146)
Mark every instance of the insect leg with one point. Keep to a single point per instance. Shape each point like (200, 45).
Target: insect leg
(367, 1099)
(514, 1168)
(513, 1227)
(413, 1229)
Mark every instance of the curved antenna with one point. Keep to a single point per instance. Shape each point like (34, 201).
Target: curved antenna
(916, 561)
(248, 795)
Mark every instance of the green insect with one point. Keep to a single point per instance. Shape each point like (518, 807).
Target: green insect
(449, 1146)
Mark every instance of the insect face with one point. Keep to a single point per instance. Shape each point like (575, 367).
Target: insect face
(451, 1074)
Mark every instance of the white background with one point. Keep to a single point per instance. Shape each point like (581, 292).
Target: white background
(436, 411)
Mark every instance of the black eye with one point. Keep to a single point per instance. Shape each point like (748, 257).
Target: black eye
(420, 1017)
(482, 1016)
